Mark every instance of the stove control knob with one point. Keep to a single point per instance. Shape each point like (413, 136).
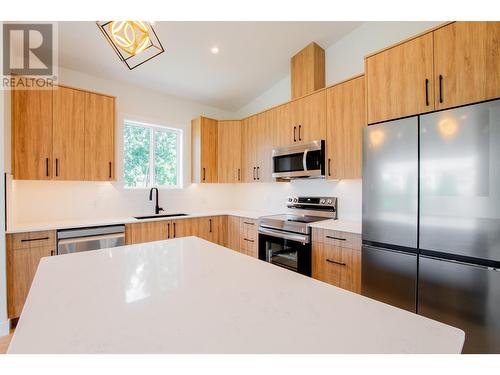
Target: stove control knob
(329, 201)
(290, 199)
(295, 200)
(322, 201)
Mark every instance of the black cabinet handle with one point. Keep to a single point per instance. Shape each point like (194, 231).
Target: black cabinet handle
(440, 88)
(335, 262)
(329, 167)
(174, 230)
(110, 170)
(336, 238)
(57, 167)
(210, 225)
(168, 230)
(254, 173)
(246, 239)
(52, 253)
(47, 167)
(204, 174)
(34, 239)
(300, 126)
(426, 92)
(239, 174)
(294, 136)
(258, 178)
(246, 222)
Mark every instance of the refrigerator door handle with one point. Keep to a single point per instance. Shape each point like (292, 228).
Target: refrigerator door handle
(462, 263)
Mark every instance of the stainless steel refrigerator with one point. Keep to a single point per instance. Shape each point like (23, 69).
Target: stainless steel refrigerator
(431, 218)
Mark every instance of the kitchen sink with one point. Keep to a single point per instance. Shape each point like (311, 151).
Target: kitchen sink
(158, 216)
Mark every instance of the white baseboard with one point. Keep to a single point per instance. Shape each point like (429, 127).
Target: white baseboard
(4, 328)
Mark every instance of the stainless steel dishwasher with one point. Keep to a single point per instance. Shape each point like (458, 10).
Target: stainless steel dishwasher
(85, 239)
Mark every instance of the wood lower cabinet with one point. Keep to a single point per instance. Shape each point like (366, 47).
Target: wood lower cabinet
(32, 134)
(204, 142)
(212, 228)
(336, 259)
(399, 80)
(233, 233)
(346, 120)
(68, 134)
(24, 251)
(229, 152)
(249, 240)
(466, 63)
(147, 232)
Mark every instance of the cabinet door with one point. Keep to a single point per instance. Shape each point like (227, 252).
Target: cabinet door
(399, 80)
(229, 151)
(99, 137)
(284, 127)
(309, 117)
(233, 233)
(265, 139)
(220, 230)
(147, 232)
(21, 268)
(208, 150)
(249, 149)
(180, 228)
(466, 63)
(32, 134)
(345, 123)
(68, 134)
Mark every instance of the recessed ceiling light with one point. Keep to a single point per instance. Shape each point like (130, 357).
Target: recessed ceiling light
(215, 50)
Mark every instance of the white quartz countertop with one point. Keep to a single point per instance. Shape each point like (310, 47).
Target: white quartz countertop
(340, 225)
(65, 224)
(188, 295)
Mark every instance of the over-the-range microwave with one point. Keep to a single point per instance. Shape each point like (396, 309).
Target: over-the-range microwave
(301, 160)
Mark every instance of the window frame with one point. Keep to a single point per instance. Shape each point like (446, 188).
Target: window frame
(154, 127)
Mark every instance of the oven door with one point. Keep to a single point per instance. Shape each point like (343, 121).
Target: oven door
(299, 160)
(288, 250)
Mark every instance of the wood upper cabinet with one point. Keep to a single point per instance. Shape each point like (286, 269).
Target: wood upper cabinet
(99, 137)
(345, 122)
(399, 80)
(466, 63)
(307, 70)
(229, 151)
(68, 133)
(32, 134)
(265, 141)
(249, 148)
(204, 142)
(308, 116)
(283, 125)
(24, 251)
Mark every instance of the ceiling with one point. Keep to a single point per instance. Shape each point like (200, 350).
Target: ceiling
(253, 56)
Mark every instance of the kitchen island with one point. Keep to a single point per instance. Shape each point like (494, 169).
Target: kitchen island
(188, 295)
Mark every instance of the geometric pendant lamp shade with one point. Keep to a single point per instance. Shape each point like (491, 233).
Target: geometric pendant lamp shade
(135, 42)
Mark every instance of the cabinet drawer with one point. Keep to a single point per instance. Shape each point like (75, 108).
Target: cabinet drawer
(337, 238)
(32, 239)
(336, 265)
(248, 246)
(248, 228)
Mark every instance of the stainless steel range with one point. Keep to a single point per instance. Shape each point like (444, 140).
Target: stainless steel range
(285, 240)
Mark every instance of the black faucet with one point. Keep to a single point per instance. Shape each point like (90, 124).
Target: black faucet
(157, 208)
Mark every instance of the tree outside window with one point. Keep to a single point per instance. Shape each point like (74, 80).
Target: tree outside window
(151, 155)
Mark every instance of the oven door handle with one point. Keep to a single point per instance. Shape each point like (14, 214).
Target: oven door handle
(287, 236)
(304, 159)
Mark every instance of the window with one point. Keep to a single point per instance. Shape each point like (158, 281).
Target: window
(151, 155)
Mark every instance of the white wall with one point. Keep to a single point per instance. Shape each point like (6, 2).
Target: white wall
(343, 59)
(35, 201)
(4, 327)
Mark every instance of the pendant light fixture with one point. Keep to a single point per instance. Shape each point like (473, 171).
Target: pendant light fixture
(135, 42)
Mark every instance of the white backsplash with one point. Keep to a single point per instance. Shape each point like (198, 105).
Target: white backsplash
(42, 201)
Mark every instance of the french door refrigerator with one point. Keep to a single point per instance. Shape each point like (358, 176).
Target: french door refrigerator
(431, 218)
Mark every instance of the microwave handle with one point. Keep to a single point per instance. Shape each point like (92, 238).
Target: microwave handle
(304, 160)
